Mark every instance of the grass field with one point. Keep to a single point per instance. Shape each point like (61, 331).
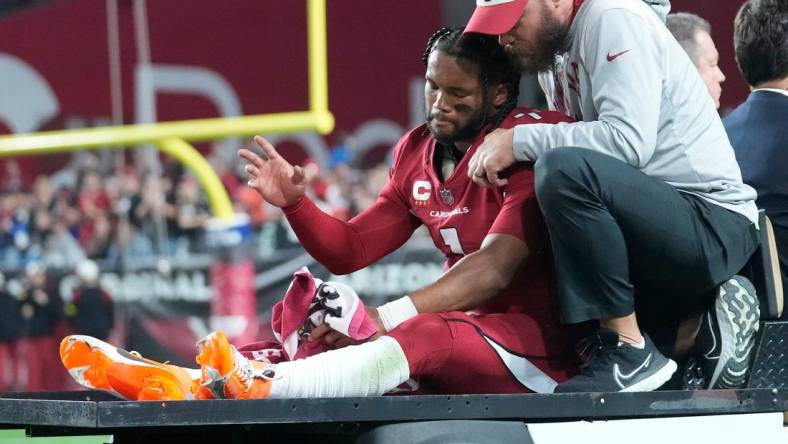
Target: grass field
(18, 437)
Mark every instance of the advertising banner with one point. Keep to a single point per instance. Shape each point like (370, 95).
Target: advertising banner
(162, 311)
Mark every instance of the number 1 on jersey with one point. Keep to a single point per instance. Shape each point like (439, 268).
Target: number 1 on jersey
(452, 239)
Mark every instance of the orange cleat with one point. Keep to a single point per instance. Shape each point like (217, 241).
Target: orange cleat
(226, 373)
(158, 388)
(95, 364)
(87, 366)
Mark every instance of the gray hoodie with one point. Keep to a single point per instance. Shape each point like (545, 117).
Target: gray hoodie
(636, 96)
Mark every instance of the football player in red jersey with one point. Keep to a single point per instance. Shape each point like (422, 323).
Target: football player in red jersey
(489, 324)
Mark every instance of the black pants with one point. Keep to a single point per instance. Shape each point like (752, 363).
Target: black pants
(625, 242)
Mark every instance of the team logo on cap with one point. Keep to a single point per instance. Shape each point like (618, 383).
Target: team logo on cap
(421, 192)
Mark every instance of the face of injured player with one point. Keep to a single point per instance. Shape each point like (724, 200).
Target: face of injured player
(539, 35)
(455, 106)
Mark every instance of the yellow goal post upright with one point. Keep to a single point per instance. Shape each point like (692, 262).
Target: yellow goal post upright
(173, 137)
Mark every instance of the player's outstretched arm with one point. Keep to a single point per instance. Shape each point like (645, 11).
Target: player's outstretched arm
(278, 182)
(476, 278)
(342, 247)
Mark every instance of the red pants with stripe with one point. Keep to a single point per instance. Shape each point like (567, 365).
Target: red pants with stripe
(456, 352)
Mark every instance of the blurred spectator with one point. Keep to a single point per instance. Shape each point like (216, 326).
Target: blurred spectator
(276, 234)
(150, 206)
(7, 230)
(757, 128)
(226, 174)
(61, 248)
(100, 244)
(40, 309)
(93, 203)
(342, 176)
(92, 200)
(694, 35)
(128, 188)
(66, 211)
(131, 243)
(250, 202)
(322, 189)
(43, 201)
(366, 190)
(15, 231)
(91, 309)
(11, 181)
(342, 152)
(10, 328)
(192, 212)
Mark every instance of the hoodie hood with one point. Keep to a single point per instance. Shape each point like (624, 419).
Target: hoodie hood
(660, 7)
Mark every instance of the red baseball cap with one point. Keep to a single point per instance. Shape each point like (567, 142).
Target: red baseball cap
(495, 17)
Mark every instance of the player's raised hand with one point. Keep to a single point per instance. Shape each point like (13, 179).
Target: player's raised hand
(494, 155)
(278, 182)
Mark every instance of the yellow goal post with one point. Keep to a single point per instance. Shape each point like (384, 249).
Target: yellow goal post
(173, 137)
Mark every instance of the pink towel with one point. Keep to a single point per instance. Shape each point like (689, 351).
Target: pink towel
(308, 303)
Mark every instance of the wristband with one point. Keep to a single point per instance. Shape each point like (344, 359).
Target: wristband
(396, 312)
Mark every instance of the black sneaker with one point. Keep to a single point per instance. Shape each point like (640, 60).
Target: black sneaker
(727, 335)
(610, 365)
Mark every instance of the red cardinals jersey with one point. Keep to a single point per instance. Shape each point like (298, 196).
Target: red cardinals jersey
(459, 214)
(514, 343)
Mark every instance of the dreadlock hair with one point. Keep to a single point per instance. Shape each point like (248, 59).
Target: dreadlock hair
(493, 62)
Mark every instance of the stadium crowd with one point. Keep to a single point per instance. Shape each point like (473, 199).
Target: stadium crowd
(109, 214)
(88, 214)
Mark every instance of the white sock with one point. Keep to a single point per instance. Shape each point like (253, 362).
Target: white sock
(640, 345)
(369, 369)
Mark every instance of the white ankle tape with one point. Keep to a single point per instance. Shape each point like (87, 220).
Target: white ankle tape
(396, 312)
(369, 369)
